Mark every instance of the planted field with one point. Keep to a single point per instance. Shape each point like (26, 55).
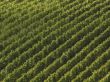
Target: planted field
(54, 40)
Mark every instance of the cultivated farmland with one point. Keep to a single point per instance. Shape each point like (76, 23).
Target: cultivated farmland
(54, 40)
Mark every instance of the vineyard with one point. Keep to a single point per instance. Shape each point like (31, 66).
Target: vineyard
(54, 40)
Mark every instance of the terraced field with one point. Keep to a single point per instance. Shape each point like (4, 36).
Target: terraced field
(54, 40)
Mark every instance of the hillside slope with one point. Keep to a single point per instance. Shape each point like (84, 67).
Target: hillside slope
(54, 40)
